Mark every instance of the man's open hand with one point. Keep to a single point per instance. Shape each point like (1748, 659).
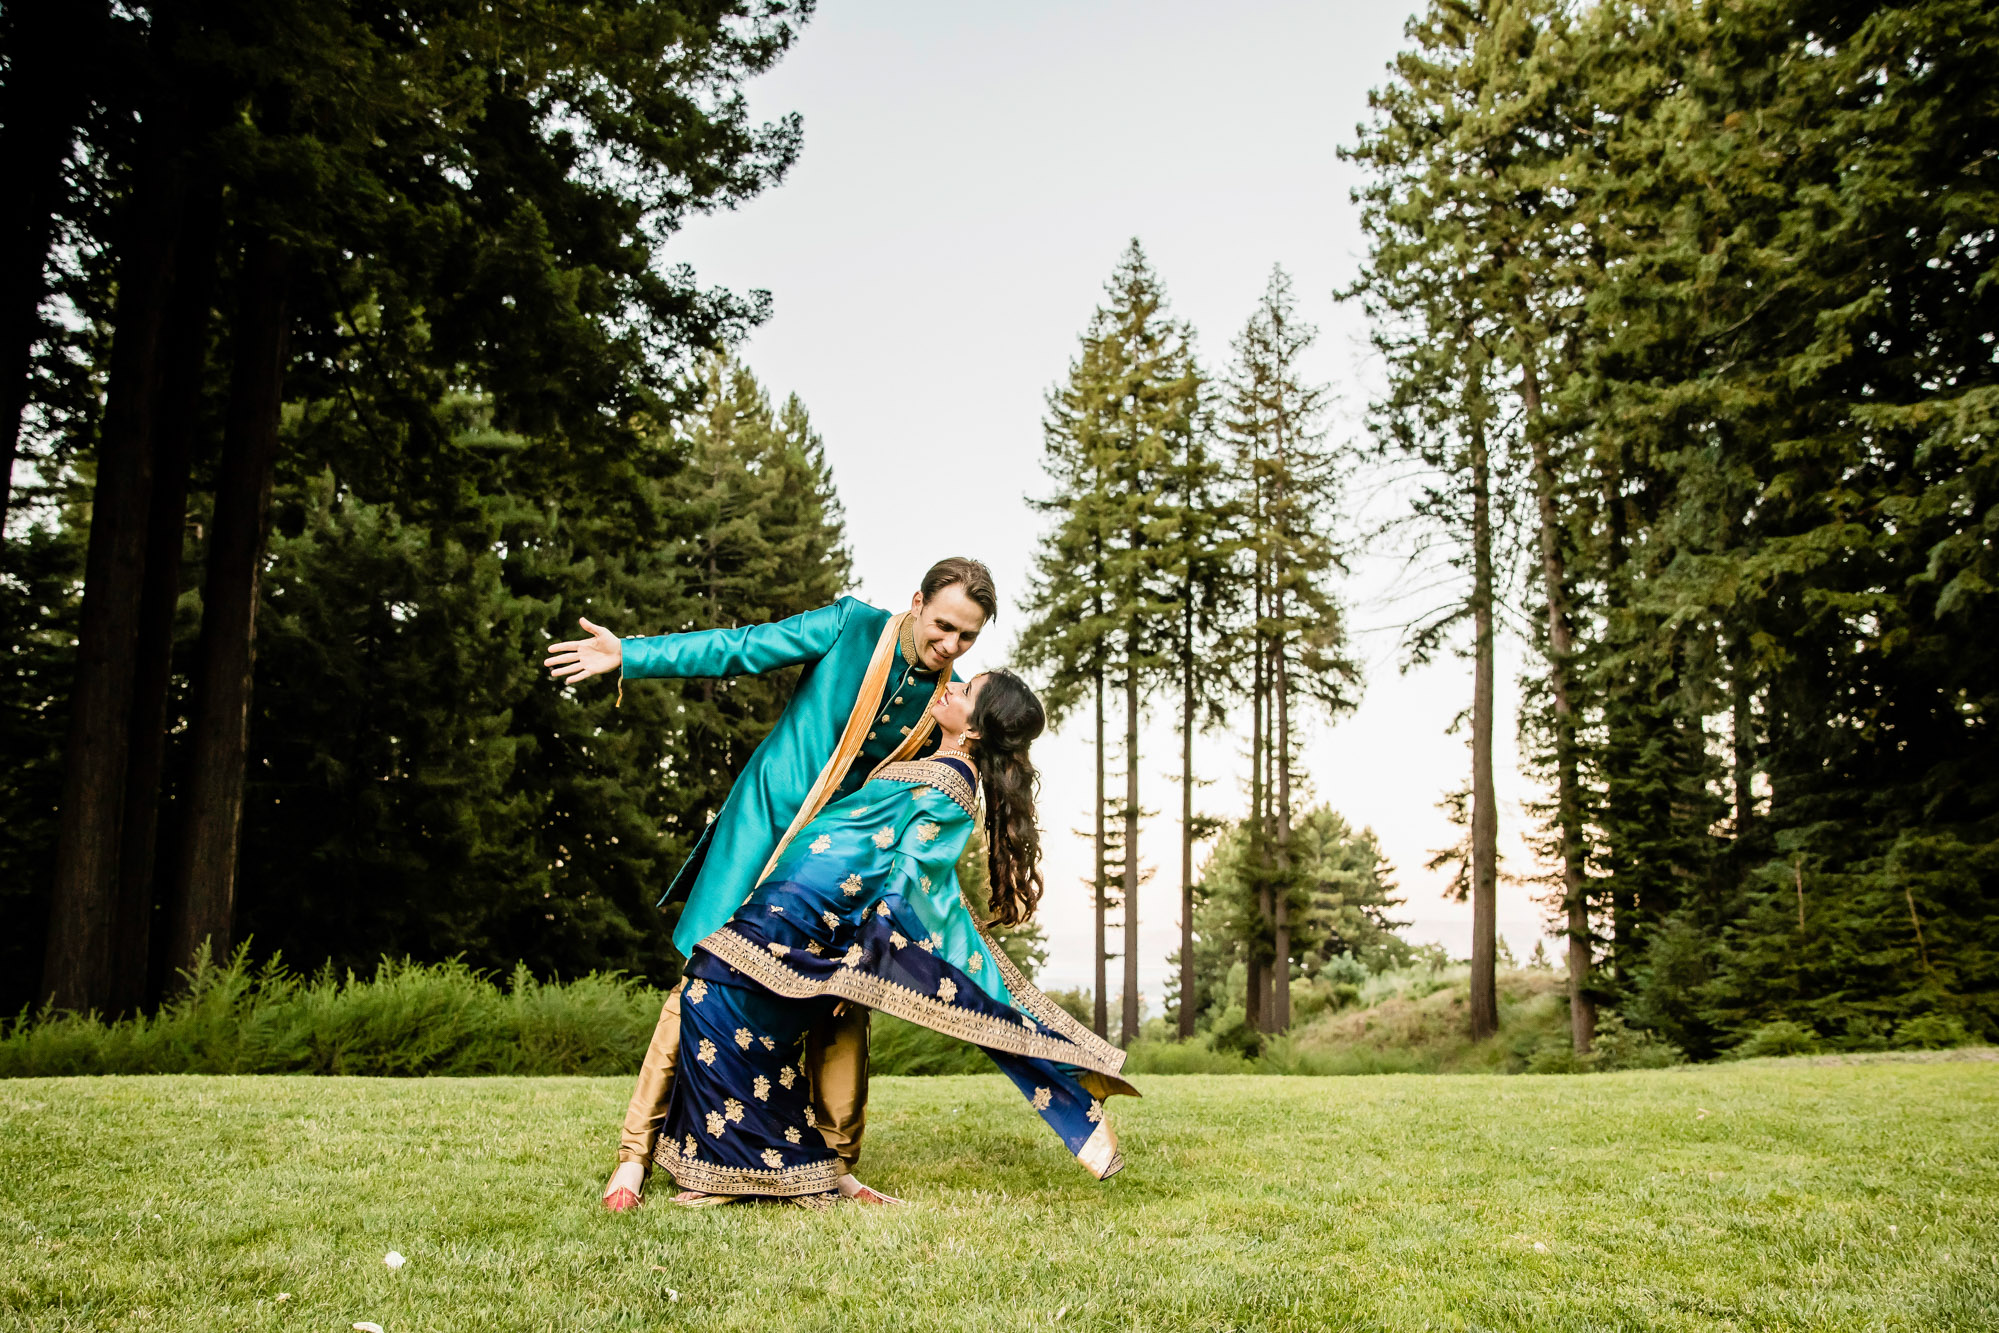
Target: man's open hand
(584, 658)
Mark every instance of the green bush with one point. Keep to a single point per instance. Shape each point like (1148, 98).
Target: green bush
(897, 1046)
(1620, 1047)
(1198, 1056)
(1932, 1032)
(407, 1019)
(1614, 1047)
(1782, 1037)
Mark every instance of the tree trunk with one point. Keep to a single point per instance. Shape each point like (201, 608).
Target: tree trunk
(76, 972)
(1611, 479)
(1100, 1021)
(42, 101)
(1254, 1012)
(1188, 1005)
(1485, 816)
(227, 655)
(1280, 692)
(1130, 1006)
(184, 365)
(1743, 740)
(1561, 649)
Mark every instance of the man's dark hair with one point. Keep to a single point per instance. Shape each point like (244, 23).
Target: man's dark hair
(962, 572)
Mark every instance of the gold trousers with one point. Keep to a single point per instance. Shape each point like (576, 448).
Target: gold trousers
(836, 1061)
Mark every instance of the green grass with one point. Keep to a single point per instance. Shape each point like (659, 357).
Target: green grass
(1763, 1195)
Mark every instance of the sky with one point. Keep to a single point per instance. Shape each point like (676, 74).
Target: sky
(970, 174)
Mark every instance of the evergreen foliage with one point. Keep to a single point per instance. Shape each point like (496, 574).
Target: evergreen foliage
(1284, 632)
(410, 265)
(1717, 282)
(1341, 898)
(1110, 579)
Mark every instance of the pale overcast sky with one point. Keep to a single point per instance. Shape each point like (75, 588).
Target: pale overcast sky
(969, 176)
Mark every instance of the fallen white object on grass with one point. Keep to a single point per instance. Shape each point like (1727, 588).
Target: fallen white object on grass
(365, 1327)
(1540, 1248)
(394, 1260)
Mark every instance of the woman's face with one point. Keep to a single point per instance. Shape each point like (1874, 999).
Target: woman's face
(954, 711)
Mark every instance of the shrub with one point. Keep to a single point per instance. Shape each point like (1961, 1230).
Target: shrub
(1620, 1047)
(1782, 1037)
(1189, 1057)
(897, 1046)
(1231, 1033)
(1932, 1032)
(407, 1019)
(1559, 1056)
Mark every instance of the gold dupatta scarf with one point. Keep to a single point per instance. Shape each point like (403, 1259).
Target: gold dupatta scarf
(887, 648)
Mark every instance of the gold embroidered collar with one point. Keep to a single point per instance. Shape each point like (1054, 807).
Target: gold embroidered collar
(906, 641)
(934, 773)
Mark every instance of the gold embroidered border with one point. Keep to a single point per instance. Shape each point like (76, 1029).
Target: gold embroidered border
(1099, 1154)
(1106, 1059)
(933, 773)
(780, 1182)
(894, 998)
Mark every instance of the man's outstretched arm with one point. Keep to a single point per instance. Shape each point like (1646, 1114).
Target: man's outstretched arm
(745, 651)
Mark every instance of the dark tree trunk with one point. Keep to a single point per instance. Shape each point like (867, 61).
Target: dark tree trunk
(1611, 478)
(1100, 1020)
(1189, 1006)
(184, 364)
(227, 656)
(76, 971)
(1485, 815)
(50, 46)
(1130, 1006)
(1742, 706)
(1561, 651)
(1281, 928)
(1255, 1013)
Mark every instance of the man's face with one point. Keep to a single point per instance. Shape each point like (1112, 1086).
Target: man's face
(947, 626)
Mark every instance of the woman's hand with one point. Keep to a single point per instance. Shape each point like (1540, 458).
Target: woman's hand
(584, 658)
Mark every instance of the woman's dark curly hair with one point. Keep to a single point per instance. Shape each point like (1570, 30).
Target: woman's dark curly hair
(1007, 718)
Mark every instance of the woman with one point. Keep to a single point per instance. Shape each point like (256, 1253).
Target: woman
(862, 906)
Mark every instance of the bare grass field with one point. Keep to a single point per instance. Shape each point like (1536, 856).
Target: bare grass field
(1765, 1195)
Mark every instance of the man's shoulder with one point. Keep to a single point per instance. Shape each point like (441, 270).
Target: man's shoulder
(854, 611)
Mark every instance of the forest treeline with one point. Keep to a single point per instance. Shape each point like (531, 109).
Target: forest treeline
(349, 368)
(1686, 319)
(1689, 311)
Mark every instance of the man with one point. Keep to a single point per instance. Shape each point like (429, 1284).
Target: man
(863, 700)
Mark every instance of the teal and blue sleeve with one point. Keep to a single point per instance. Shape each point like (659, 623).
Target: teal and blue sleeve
(747, 651)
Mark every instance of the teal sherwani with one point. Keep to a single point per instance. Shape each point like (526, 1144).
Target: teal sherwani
(862, 700)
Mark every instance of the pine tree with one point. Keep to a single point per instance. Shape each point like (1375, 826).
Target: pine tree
(1287, 486)
(1438, 336)
(1099, 611)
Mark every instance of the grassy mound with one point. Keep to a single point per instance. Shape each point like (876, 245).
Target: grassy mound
(1412, 1021)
